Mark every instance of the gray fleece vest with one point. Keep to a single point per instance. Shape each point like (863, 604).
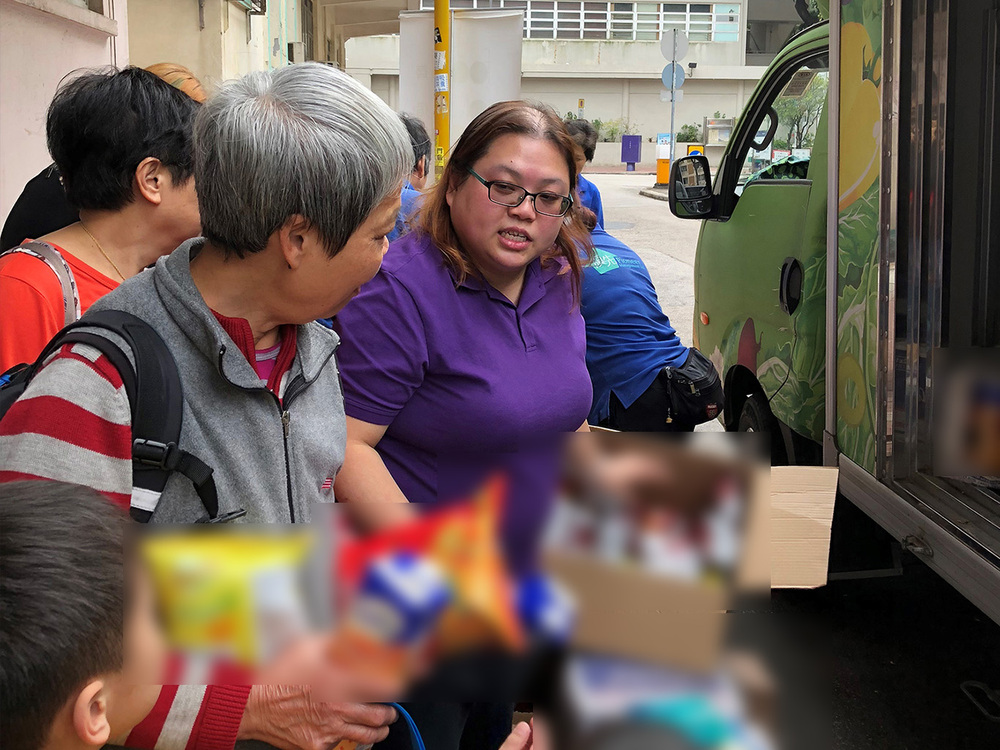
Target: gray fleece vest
(273, 460)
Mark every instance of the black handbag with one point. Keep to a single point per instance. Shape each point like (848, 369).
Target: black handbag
(694, 388)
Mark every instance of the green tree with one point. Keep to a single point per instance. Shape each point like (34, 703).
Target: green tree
(610, 131)
(798, 116)
(689, 134)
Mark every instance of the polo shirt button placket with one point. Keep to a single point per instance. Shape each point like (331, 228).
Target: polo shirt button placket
(525, 332)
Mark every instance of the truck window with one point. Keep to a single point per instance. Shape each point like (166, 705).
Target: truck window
(782, 150)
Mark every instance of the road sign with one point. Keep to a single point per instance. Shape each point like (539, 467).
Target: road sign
(672, 75)
(674, 46)
(667, 44)
(677, 96)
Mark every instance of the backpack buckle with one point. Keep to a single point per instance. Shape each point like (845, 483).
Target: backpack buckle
(152, 453)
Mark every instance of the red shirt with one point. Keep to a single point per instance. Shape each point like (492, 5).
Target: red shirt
(31, 303)
(273, 371)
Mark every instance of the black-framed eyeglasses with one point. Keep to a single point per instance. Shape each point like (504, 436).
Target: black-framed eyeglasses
(511, 195)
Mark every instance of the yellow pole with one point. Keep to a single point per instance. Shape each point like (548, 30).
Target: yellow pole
(442, 82)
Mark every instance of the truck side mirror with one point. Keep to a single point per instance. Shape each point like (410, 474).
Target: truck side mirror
(690, 188)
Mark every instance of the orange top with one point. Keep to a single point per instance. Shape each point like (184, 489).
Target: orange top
(31, 303)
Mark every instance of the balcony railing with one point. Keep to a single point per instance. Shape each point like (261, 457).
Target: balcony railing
(580, 19)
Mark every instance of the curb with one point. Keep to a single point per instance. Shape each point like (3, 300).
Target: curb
(659, 194)
(639, 170)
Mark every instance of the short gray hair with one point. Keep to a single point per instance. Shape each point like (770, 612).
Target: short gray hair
(304, 139)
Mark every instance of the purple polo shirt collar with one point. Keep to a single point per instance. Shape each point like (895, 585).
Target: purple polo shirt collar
(535, 277)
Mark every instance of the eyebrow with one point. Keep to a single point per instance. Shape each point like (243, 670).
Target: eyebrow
(518, 176)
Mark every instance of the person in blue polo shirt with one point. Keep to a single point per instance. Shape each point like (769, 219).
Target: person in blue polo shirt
(410, 198)
(629, 341)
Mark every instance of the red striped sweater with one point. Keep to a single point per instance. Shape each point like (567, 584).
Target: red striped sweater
(87, 440)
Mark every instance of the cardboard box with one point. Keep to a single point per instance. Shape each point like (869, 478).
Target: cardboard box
(628, 612)
(802, 499)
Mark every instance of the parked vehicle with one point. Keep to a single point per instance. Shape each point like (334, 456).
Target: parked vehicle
(870, 137)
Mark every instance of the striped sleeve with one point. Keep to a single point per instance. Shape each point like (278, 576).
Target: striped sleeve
(192, 717)
(72, 424)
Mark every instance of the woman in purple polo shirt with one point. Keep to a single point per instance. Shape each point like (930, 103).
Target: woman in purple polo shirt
(466, 353)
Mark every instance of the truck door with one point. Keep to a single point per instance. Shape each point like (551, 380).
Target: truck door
(759, 274)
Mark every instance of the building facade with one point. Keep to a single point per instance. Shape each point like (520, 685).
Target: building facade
(43, 41)
(603, 60)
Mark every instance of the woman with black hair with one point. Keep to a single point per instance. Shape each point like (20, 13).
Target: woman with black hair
(585, 136)
(121, 142)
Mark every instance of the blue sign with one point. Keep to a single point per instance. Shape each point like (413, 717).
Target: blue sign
(631, 148)
(672, 73)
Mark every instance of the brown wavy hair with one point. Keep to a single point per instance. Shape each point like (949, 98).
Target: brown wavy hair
(534, 120)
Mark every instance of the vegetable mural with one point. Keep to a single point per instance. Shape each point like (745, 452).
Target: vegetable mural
(858, 231)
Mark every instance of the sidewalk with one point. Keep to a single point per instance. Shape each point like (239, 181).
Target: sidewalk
(618, 169)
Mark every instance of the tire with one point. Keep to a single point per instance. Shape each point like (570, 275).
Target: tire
(757, 417)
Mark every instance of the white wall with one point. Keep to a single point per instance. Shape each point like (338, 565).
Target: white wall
(638, 100)
(37, 49)
(416, 78)
(611, 58)
(485, 60)
(168, 31)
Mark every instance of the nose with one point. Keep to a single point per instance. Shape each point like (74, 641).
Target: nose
(526, 209)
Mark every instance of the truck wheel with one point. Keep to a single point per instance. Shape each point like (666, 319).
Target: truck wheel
(757, 417)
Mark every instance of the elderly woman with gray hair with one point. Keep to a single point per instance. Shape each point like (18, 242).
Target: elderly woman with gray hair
(298, 175)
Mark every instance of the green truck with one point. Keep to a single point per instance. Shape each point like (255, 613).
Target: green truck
(847, 278)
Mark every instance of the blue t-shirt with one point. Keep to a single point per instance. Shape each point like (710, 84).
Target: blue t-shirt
(590, 197)
(629, 339)
(409, 204)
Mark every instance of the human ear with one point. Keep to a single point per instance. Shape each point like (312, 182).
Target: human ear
(90, 714)
(421, 169)
(149, 179)
(294, 238)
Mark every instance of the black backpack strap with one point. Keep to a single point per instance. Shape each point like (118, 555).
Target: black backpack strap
(156, 400)
(156, 419)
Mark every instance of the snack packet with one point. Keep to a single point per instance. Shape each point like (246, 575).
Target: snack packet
(462, 541)
(396, 607)
(230, 597)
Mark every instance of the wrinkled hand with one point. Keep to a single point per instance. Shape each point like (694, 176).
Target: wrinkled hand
(309, 660)
(289, 718)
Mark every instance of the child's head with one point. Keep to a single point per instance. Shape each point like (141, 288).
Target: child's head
(80, 653)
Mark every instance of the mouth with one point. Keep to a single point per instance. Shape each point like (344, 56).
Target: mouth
(514, 239)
